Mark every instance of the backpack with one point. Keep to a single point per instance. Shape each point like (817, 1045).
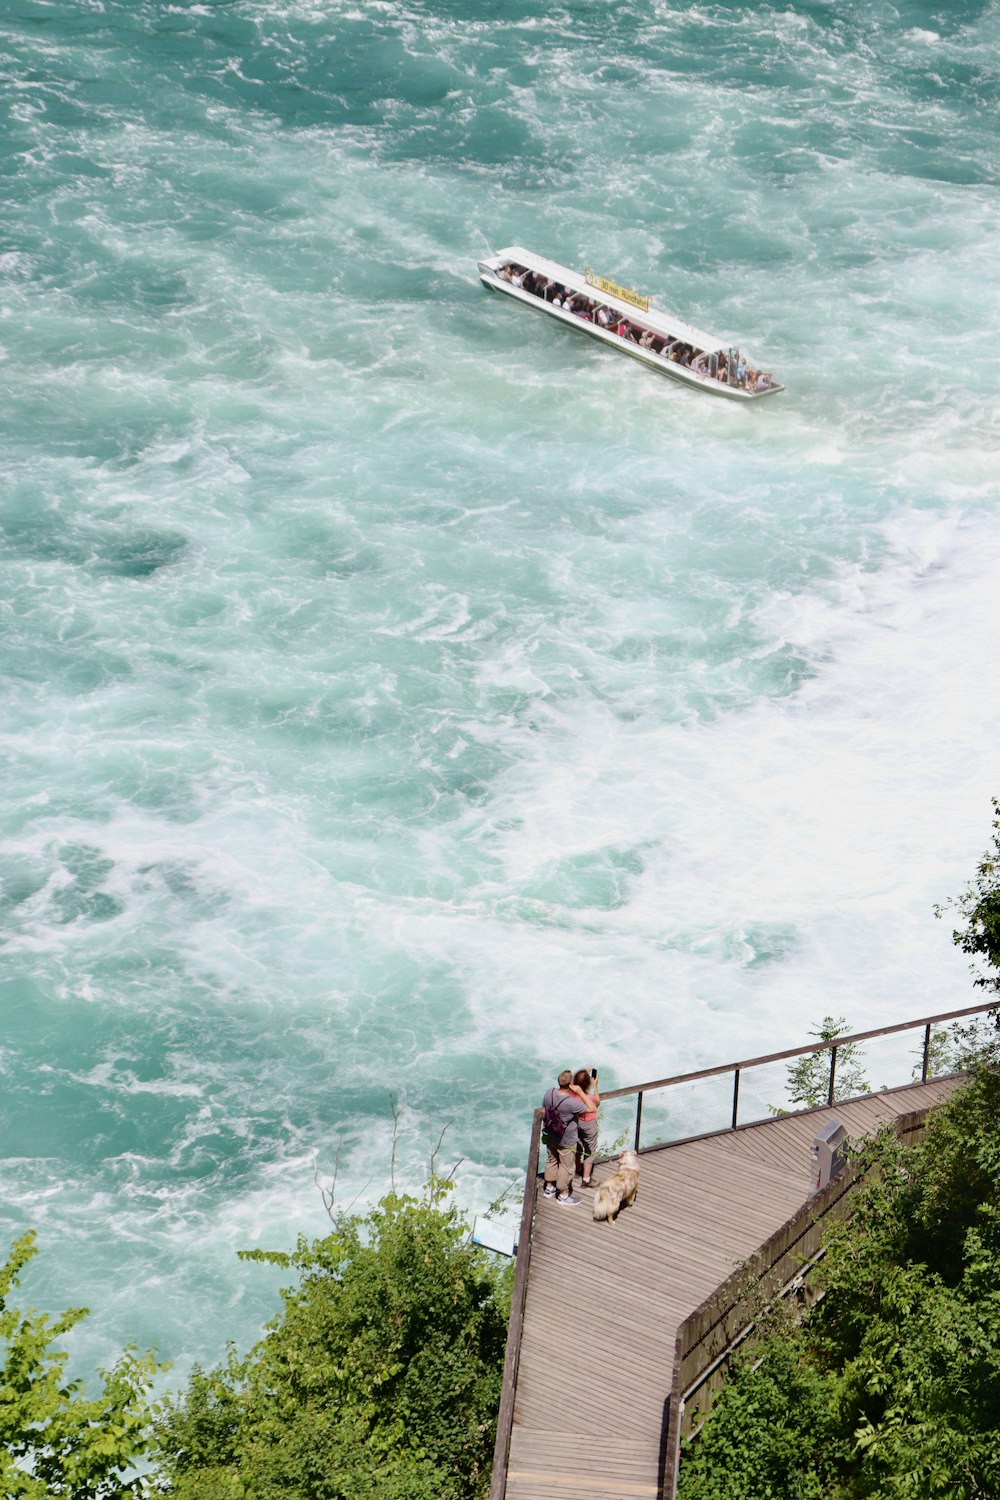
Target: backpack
(553, 1123)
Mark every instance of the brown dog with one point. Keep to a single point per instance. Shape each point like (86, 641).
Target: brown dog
(619, 1189)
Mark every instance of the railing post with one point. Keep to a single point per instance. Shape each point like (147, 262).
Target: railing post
(515, 1323)
(736, 1094)
(638, 1118)
(927, 1053)
(833, 1074)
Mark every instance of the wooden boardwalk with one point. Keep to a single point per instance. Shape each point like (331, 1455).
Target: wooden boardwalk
(604, 1302)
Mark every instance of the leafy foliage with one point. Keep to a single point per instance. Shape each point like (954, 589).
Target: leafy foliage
(979, 907)
(381, 1377)
(962, 1046)
(891, 1387)
(53, 1440)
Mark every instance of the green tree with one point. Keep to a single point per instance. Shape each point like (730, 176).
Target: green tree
(809, 1077)
(54, 1440)
(380, 1377)
(979, 908)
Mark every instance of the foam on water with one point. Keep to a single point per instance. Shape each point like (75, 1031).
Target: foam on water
(399, 691)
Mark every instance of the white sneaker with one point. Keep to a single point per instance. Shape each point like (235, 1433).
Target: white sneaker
(550, 1192)
(570, 1200)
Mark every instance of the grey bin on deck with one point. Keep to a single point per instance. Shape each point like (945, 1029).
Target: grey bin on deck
(829, 1154)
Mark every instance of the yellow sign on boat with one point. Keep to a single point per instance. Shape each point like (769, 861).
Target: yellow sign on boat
(612, 289)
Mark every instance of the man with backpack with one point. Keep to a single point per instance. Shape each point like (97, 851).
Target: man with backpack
(560, 1111)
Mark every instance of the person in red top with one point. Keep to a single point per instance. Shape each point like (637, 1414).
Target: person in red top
(585, 1087)
(564, 1107)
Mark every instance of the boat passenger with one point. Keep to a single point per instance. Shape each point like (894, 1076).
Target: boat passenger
(646, 339)
(624, 331)
(605, 317)
(763, 382)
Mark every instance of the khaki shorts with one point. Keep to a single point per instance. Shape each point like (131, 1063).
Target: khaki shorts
(587, 1130)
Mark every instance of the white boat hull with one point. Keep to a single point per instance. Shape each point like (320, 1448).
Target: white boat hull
(661, 323)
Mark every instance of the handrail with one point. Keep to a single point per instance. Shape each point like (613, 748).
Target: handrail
(512, 1354)
(756, 1062)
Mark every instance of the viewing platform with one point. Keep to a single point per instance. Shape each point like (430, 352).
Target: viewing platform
(621, 1297)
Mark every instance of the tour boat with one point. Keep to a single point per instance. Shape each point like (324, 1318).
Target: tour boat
(708, 364)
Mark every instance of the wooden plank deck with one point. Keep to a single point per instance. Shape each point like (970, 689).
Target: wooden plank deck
(615, 1295)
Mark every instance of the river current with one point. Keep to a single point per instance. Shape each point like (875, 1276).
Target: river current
(404, 697)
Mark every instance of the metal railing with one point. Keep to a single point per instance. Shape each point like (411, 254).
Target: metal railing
(770, 1097)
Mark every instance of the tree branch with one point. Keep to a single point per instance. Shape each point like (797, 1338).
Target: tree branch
(328, 1194)
(437, 1148)
(396, 1112)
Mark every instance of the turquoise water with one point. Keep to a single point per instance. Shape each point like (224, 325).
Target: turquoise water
(402, 696)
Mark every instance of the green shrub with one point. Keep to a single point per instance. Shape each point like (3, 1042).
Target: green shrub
(381, 1377)
(772, 1433)
(54, 1440)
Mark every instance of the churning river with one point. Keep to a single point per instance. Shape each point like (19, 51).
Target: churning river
(404, 696)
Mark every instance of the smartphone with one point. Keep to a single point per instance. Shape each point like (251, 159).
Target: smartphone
(593, 1072)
